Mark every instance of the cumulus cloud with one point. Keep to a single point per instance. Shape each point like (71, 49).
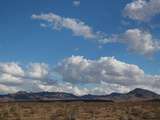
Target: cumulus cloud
(76, 3)
(77, 69)
(106, 71)
(11, 68)
(142, 10)
(98, 89)
(141, 41)
(9, 79)
(65, 87)
(138, 41)
(76, 75)
(10, 73)
(6, 89)
(14, 76)
(37, 70)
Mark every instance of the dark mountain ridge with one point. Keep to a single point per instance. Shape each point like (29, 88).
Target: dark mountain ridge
(134, 95)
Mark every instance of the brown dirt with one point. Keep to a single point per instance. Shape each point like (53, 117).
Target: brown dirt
(80, 111)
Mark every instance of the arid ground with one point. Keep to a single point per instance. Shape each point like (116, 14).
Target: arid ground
(79, 110)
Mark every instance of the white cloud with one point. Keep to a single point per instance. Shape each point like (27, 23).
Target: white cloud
(11, 68)
(43, 25)
(15, 77)
(77, 75)
(37, 70)
(140, 41)
(10, 73)
(108, 72)
(77, 69)
(9, 79)
(142, 10)
(78, 27)
(65, 87)
(99, 89)
(7, 89)
(76, 3)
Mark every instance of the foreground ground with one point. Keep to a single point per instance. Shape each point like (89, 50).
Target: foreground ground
(80, 111)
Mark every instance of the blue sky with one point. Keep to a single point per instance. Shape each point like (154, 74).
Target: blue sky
(24, 41)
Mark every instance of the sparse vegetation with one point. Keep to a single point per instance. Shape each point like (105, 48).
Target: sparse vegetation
(80, 111)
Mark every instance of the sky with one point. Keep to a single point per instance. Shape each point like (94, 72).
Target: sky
(79, 46)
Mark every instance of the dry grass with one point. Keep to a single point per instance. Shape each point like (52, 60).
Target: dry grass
(80, 111)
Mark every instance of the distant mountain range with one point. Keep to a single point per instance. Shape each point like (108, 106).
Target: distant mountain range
(134, 95)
